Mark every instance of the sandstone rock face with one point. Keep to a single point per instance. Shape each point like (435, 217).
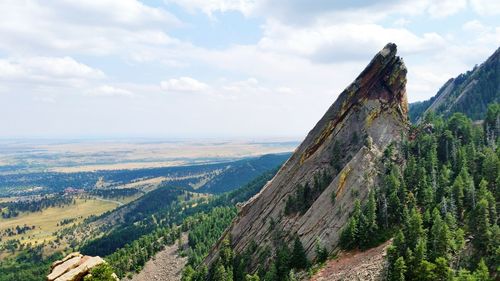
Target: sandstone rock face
(369, 114)
(73, 267)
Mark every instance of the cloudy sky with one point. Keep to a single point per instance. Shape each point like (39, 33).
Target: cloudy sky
(217, 68)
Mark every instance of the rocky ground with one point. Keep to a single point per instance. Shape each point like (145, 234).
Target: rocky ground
(355, 265)
(166, 265)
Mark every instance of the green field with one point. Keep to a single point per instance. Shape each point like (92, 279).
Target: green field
(46, 221)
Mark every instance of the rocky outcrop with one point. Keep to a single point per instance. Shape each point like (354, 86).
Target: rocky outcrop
(74, 267)
(344, 147)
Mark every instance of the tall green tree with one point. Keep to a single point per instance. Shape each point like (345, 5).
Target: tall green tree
(299, 257)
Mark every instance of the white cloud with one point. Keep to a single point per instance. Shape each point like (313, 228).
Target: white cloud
(44, 99)
(486, 7)
(84, 27)
(47, 70)
(445, 8)
(109, 91)
(120, 12)
(183, 84)
(308, 53)
(402, 22)
(474, 26)
(211, 6)
(343, 42)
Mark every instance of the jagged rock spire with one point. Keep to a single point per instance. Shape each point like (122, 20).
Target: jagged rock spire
(343, 147)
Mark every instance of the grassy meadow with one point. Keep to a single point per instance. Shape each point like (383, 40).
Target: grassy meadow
(48, 221)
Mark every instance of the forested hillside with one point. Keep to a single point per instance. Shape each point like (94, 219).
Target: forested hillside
(132, 234)
(204, 224)
(441, 207)
(469, 93)
(209, 177)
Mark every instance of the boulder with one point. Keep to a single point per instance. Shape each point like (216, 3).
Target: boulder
(74, 267)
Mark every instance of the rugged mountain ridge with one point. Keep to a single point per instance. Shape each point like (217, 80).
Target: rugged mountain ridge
(334, 165)
(469, 93)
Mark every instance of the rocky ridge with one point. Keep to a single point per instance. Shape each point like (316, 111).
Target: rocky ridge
(344, 147)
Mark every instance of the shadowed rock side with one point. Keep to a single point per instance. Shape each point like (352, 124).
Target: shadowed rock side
(367, 116)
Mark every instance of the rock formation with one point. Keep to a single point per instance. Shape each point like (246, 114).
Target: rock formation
(74, 267)
(343, 149)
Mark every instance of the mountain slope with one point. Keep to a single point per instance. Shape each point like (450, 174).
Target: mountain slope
(469, 93)
(313, 193)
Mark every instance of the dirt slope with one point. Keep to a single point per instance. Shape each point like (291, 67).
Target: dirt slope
(368, 265)
(166, 265)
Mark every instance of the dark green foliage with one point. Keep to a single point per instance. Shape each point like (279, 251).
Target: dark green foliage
(491, 124)
(283, 260)
(299, 258)
(158, 201)
(29, 265)
(443, 196)
(114, 193)
(305, 195)
(336, 161)
(205, 231)
(234, 175)
(12, 209)
(133, 256)
(164, 204)
(145, 237)
(398, 271)
(418, 108)
(362, 228)
(321, 252)
(102, 272)
(470, 94)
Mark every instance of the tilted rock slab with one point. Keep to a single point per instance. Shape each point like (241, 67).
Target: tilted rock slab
(372, 110)
(73, 267)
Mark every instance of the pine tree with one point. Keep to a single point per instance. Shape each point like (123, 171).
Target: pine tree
(443, 187)
(443, 271)
(413, 228)
(283, 261)
(271, 274)
(299, 258)
(254, 277)
(426, 271)
(220, 273)
(481, 226)
(441, 239)
(458, 196)
(371, 213)
(481, 272)
(349, 235)
(399, 270)
(321, 252)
